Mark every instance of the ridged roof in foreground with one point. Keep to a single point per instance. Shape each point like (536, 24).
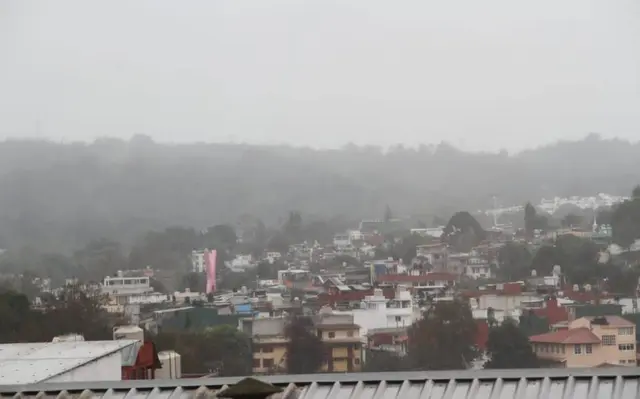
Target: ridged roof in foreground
(605, 383)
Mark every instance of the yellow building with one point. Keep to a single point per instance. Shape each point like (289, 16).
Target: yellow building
(342, 341)
(339, 334)
(269, 343)
(269, 354)
(590, 342)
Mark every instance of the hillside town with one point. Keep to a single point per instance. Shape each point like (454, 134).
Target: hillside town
(372, 298)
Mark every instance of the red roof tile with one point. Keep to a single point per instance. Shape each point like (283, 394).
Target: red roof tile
(552, 312)
(573, 336)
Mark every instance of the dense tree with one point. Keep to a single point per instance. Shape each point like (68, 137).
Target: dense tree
(514, 261)
(463, 232)
(293, 226)
(222, 350)
(444, 338)
(533, 221)
(80, 310)
(76, 309)
(530, 216)
(195, 282)
(625, 221)
(379, 361)
(58, 197)
(100, 258)
(621, 279)
(169, 249)
(572, 220)
(578, 258)
(509, 348)
(279, 242)
(19, 322)
(220, 236)
(388, 215)
(305, 351)
(269, 271)
(234, 281)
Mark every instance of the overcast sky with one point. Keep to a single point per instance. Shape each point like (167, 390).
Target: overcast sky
(482, 75)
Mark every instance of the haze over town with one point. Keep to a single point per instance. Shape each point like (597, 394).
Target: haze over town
(487, 75)
(224, 188)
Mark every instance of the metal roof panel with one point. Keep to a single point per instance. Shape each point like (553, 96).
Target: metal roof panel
(27, 363)
(620, 383)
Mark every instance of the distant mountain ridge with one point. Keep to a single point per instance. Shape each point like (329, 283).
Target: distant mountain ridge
(59, 196)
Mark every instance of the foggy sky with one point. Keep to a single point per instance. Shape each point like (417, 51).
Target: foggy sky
(482, 75)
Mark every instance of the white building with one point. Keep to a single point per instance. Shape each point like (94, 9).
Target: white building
(376, 312)
(355, 235)
(435, 232)
(120, 288)
(273, 256)
(198, 261)
(65, 361)
(241, 263)
(477, 268)
(341, 240)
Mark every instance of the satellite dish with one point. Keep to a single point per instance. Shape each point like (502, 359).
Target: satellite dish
(576, 287)
(587, 287)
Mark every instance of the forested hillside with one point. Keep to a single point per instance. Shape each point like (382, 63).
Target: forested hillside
(60, 196)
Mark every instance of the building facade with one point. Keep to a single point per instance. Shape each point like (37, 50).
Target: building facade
(590, 342)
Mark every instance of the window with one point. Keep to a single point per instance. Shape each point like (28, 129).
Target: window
(267, 349)
(562, 349)
(577, 349)
(356, 361)
(588, 348)
(626, 347)
(608, 340)
(398, 319)
(256, 363)
(319, 334)
(267, 363)
(625, 331)
(349, 333)
(332, 334)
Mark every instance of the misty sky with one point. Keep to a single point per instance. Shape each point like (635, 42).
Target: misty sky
(482, 75)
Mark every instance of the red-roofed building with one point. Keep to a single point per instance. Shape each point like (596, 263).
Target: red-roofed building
(553, 312)
(145, 364)
(589, 342)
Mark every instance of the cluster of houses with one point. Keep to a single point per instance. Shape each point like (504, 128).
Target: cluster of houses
(368, 305)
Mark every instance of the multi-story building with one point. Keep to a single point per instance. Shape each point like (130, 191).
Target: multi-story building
(342, 342)
(435, 254)
(477, 267)
(341, 240)
(590, 342)
(120, 288)
(199, 261)
(376, 311)
(269, 343)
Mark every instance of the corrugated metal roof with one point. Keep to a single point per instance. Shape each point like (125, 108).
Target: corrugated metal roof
(613, 383)
(27, 363)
